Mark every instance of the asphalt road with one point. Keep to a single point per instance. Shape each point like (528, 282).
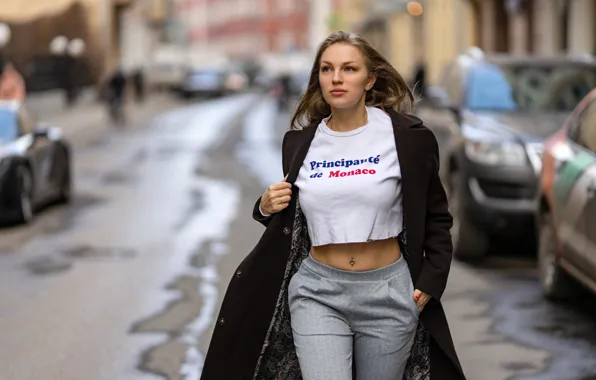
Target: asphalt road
(126, 281)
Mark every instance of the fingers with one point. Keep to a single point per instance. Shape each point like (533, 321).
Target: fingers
(280, 186)
(275, 194)
(277, 197)
(275, 208)
(421, 298)
(417, 294)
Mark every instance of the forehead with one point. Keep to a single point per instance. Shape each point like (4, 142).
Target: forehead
(340, 52)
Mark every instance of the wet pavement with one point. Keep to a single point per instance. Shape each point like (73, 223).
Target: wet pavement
(126, 281)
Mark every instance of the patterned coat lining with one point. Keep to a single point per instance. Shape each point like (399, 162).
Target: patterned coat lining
(278, 360)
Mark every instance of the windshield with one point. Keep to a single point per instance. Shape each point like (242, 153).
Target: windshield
(8, 125)
(206, 76)
(528, 87)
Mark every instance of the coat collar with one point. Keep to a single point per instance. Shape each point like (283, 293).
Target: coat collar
(401, 124)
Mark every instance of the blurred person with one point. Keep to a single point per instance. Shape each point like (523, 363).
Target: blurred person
(333, 289)
(419, 78)
(68, 78)
(12, 85)
(283, 91)
(116, 89)
(138, 80)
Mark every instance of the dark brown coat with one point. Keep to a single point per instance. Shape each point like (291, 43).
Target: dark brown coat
(253, 340)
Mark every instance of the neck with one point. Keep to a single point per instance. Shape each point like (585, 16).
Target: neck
(345, 120)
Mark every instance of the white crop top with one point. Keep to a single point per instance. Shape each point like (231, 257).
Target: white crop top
(350, 183)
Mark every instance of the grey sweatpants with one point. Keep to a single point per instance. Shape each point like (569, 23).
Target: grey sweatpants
(337, 315)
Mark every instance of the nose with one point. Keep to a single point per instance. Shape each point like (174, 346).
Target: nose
(337, 77)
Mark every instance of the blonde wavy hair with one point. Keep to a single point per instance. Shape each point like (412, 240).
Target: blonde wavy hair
(389, 91)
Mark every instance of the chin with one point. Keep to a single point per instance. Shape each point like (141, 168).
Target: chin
(340, 103)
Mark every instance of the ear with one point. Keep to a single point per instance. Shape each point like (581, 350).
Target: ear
(371, 82)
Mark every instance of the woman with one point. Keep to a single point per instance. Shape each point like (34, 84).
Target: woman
(332, 290)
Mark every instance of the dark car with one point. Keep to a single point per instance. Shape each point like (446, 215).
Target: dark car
(34, 165)
(491, 116)
(566, 215)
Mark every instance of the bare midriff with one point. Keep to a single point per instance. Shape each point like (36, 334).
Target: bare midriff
(358, 256)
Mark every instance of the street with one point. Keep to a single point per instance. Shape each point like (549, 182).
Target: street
(126, 281)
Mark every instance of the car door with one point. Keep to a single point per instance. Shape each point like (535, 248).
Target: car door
(574, 190)
(586, 139)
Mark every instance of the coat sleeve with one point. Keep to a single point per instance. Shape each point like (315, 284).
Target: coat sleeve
(256, 213)
(438, 247)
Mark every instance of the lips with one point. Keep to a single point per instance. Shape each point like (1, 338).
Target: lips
(338, 92)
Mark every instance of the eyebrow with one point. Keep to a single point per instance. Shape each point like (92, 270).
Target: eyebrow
(345, 63)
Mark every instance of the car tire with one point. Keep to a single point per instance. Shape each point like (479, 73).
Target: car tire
(65, 194)
(469, 241)
(556, 283)
(25, 210)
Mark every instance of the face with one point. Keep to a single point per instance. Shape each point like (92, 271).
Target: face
(343, 76)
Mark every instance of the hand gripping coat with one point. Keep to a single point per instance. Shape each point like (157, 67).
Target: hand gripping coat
(252, 339)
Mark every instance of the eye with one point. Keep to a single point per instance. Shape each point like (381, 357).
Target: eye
(350, 68)
(325, 68)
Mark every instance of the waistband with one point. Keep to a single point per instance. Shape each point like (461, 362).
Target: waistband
(379, 274)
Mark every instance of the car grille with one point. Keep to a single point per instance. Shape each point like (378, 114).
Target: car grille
(500, 190)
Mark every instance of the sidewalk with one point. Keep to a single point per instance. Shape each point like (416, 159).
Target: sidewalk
(88, 119)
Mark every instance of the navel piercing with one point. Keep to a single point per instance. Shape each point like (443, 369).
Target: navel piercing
(352, 262)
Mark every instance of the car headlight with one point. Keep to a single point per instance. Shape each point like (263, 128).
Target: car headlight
(496, 153)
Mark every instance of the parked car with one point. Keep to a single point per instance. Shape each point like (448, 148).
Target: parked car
(34, 164)
(212, 82)
(491, 115)
(204, 82)
(566, 216)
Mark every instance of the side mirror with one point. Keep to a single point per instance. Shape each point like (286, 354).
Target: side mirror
(41, 131)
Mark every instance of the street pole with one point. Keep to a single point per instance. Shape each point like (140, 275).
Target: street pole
(67, 52)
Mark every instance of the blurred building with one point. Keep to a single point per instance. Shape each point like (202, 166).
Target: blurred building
(543, 27)
(114, 31)
(244, 28)
(435, 31)
(406, 32)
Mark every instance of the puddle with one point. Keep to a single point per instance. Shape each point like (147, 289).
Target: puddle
(184, 319)
(63, 260)
(117, 177)
(197, 203)
(567, 331)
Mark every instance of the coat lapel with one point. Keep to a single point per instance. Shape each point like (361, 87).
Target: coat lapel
(407, 147)
(306, 137)
(404, 146)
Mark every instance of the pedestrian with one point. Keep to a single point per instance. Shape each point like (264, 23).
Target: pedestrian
(420, 79)
(333, 289)
(138, 80)
(116, 88)
(12, 85)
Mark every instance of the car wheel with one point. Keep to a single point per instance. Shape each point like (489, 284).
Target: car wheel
(25, 181)
(66, 181)
(468, 240)
(556, 283)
